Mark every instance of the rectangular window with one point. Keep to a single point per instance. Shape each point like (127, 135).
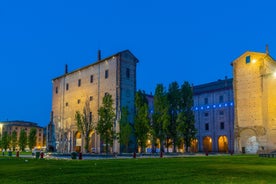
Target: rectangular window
(221, 112)
(222, 125)
(90, 117)
(205, 101)
(106, 74)
(67, 86)
(206, 126)
(247, 59)
(56, 90)
(66, 104)
(127, 73)
(220, 99)
(91, 98)
(79, 82)
(78, 101)
(206, 114)
(91, 78)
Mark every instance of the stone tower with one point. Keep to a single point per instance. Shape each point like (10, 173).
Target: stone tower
(255, 102)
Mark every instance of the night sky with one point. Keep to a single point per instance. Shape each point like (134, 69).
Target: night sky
(174, 40)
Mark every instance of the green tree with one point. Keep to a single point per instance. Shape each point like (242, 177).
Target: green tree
(161, 118)
(22, 140)
(14, 140)
(185, 119)
(106, 121)
(85, 123)
(32, 138)
(174, 100)
(5, 140)
(141, 120)
(125, 129)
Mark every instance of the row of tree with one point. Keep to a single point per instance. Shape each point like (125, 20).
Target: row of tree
(172, 120)
(12, 141)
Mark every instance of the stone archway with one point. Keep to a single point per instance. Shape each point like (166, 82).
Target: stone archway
(248, 141)
(194, 145)
(223, 144)
(78, 142)
(92, 142)
(207, 144)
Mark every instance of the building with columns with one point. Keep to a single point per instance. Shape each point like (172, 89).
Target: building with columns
(255, 102)
(115, 75)
(214, 117)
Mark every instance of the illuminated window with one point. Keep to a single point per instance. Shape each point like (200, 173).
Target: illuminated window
(91, 78)
(127, 73)
(106, 74)
(222, 125)
(247, 59)
(67, 86)
(206, 126)
(79, 82)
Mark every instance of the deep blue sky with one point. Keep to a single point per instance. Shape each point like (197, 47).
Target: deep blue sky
(175, 40)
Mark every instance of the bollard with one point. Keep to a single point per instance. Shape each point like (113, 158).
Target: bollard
(41, 155)
(134, 155)
(17, 154)
(80, 156)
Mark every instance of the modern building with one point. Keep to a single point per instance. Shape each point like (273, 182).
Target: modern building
(86, 87)
(255, 102)
(10, 126)
(214, 116)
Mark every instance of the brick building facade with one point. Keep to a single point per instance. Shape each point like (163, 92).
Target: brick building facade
(115, 75)
(10, 126)
(214, 116)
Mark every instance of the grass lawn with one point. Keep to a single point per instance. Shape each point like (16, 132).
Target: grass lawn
(211, 169)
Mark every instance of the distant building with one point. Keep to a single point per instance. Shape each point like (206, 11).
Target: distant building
(10, 126)
(255, 102)
(115, 75)
(214, 116)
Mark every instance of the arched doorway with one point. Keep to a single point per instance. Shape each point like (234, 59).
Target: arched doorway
(194, 145)
(78, 142)
(223, 144)
(248, 141)
(207, 144)
(92, 142)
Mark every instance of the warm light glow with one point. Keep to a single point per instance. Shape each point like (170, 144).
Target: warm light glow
(274, 74)
(254, 61)
(148, 141)
(210, 140)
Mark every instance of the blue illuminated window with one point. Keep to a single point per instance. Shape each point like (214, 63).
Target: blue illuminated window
(247, 59)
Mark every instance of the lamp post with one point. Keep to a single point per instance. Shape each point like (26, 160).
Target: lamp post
(1, 130)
